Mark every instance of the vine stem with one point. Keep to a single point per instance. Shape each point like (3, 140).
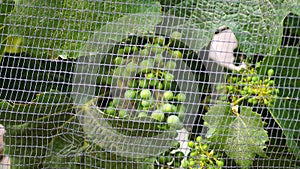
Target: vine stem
(239, 100)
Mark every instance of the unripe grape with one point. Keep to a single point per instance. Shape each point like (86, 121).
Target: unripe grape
(220, 163)
(127, 49)
(142, 114)
(145, 94)
(159, 86)
(120, 51)
(191, 144)
(144, 52)
(198, 139)
(160, 40)
(123, 113)
(176, 35)
(158, 115)
(146, 103)
(168, 95)
(177, 54)
(180, 97)
(119, 60)
(111, 111)
(131, 67)
(167, 107)
(143, 83)
(270, 72)
(168, 76)
(174, 122)
(170, 65)
(134, 49)
(130, 94)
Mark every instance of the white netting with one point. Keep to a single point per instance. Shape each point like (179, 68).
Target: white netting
(149, 84)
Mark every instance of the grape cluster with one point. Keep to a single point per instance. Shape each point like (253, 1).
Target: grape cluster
(247, 85)
(172, 158)
(151, 89)
(200, 157)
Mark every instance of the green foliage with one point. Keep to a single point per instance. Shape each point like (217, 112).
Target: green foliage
(258, 24)
(64, 25)
(240, 135)
(286, 64)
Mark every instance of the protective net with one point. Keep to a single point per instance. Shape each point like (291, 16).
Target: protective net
(134, 84)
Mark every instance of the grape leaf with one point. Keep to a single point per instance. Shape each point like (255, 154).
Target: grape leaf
(257, 24)
(56, 28)
(241, 136)
(31, 127)
(286, 108)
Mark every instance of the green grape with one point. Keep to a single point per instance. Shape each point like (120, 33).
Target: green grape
(193, 154)
(143, 83)
(132, 83)
(220, 163)
(131, 66)
(146, 65)
(120, 51)
(159, 86)
(230, 88)
(255, 101)
(199, 139)
(191, 163)
(167, 107)
(249, 78)
(145, 94)
(150, 75)
(176, 54)
(160, 40)
(271, 82)
(158, 115)
(204, 147)
(255, 78)
(203, 157)
(170, 65)
(168, 76)
(134, 49)
(156, 49)
(144, 52)
(167, 85)
(168, 95)
(123, 114)
(142, 114)
(250, 100)
(174, 122)
(162, 159)
(179, 155)
(146, 103)
(115, 102)
(175, 145)
(159, 58)
(176, 35)
(127, 49)
(111, 111)
(185, 164)
(119, 60)
(191, 144)
(153, 82)
(130, 94)
(180, 97)
(176, 164)
(270, 72)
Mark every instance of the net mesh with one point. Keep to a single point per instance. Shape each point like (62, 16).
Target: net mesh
(149, 84)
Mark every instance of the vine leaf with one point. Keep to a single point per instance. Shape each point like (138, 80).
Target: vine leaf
(56, 28)
(286, 64)
(241, 137)
(257, 24)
